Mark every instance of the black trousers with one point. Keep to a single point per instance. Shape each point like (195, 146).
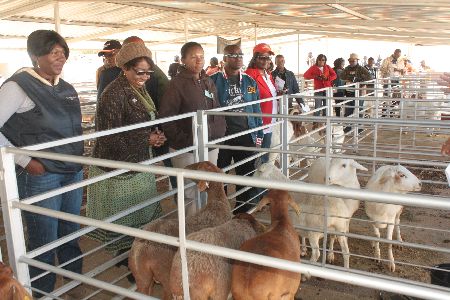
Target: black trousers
(224, 160)
(337, 109)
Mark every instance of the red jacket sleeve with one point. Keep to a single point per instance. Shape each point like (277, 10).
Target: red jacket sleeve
(333, 75)
(310, 73)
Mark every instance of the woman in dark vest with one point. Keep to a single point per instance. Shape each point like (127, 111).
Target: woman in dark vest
(37, 107)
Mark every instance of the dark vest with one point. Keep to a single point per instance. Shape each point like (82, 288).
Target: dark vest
(56, 115)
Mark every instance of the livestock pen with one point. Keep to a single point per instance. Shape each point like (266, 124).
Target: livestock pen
(384, 139)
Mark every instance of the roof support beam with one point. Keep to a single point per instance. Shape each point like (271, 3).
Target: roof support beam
(118, 30)
(24, 8)
(349, 11)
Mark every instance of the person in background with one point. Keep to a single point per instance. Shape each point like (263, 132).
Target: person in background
(423, 67)
(286, 82)
(38, 106)
(125, 102)
(339, 65)
(257, 69)
(323, 76)
(370, 67)
(444, 80)
(173, 68)
(392, 67)
(110, 49)
(235, 87)
(189, 91)
(351, 74)
(310, 61)
(213, 66)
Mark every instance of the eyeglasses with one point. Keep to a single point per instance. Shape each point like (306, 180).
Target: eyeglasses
(235, 55)
(322, 59)
(263, 57)
(141, 73)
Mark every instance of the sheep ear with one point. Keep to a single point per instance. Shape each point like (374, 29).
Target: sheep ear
(295, 206)
(264, 201)
(358, 166)
(203, 185)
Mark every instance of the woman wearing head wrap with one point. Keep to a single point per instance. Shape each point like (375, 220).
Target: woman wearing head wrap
(124, 102)
(37, 106)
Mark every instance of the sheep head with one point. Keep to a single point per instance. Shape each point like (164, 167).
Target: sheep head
(269, 171)
(278, 198)
(298, 127)
(204, 166)
(395, 179)
(343, 172)
(256, 225)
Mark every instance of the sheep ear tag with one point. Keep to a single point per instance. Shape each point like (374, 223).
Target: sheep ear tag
(202, 185)
(447, 173)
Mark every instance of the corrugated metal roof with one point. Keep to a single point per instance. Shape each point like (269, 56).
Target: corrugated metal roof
(163, 21)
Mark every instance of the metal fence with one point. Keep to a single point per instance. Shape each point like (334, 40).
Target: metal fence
(381, 141)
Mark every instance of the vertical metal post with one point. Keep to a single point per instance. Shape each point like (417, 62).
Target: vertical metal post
(182, 234)
(57, 17)
(329, 113)
(376, 116)
(298, 56)
(186, 29)
(256, 34)
(356, 115)
(327, 182)
(202, 136)
(12, 217)
(283, 104)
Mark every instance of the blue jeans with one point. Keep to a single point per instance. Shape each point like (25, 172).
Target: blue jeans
(43, 229)
(266, 144)
(320, 102)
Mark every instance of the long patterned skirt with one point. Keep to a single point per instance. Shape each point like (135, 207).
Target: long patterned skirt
(113, 195)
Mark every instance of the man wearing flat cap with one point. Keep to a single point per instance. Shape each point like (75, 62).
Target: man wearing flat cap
(354, 72)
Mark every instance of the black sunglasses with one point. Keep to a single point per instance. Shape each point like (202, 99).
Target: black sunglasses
(140, 73)
(235, 55)
(261, 57)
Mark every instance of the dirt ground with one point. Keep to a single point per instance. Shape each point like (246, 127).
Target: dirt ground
(316, 288)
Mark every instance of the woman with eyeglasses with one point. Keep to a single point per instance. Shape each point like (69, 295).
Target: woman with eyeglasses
(257, 69)
(37, 106)
(323, 76)
(125, 101)
(189, 91)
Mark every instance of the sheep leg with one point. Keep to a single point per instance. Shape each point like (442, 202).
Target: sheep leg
(330, 255)
(315, 252)
(376, 244)
(343, 242)
(314, 243)
(397, 228)
(389, 233)
(304, 249)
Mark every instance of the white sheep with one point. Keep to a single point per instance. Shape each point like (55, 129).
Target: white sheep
(210, 275)
(343, 173)
(150, 261)
(390, 179)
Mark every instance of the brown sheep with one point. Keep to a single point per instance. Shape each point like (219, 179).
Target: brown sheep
(150, 261)
(210, 275)
(256, 282)
(10, 288)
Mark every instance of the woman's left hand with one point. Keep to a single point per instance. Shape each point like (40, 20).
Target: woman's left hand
(157, 139)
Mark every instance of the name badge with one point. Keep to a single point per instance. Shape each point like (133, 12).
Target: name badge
(208, 94)
(251, 90)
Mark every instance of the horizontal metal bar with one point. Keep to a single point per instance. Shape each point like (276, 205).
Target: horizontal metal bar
(107, 132)
(411, 200)
(87, 280)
